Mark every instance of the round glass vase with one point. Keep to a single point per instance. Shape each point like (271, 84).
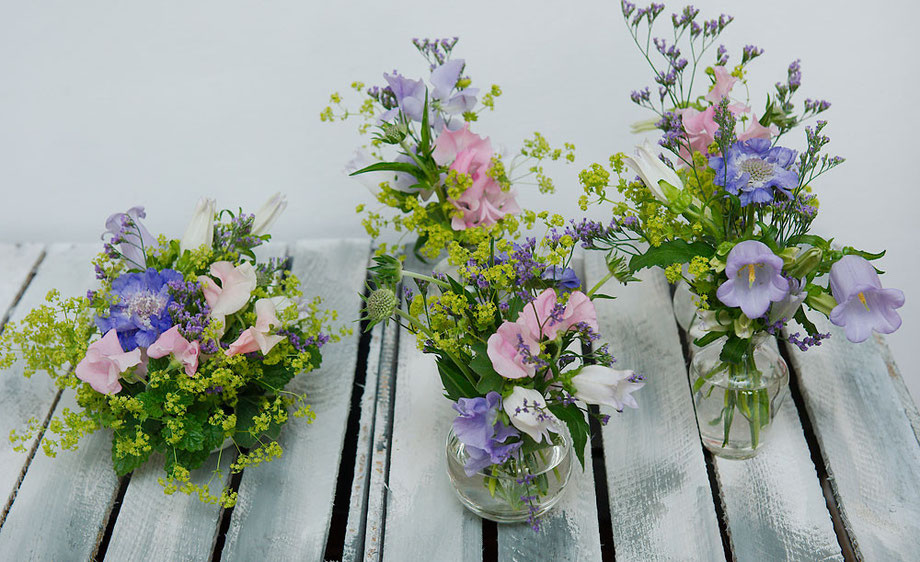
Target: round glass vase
(736, 403)
(499, 492)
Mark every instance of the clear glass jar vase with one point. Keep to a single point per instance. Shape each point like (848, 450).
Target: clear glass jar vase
(736, 403)
(522, 489)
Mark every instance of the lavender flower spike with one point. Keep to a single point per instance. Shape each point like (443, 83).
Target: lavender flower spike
(754, 278)
(863, 305)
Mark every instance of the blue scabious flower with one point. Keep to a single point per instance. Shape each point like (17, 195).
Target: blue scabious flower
(142, 311)
(565, 278)
(478, 428)
(752, 170)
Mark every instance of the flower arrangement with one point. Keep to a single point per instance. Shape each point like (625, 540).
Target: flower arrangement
(184, 347)
(516, 346)
(729, 209)
(429, 172)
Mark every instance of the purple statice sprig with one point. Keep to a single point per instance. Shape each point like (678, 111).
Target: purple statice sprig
(809, 341)
(530, 500)
(235, 236)
(190, 312)
(436, 51)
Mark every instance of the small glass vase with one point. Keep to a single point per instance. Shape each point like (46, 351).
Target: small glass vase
(736, 403)
(499, 492)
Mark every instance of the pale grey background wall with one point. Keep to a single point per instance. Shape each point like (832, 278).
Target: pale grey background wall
(105, 104)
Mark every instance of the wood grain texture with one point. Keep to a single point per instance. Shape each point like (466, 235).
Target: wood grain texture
(357, 506)
(63, 504)
(773, 503)
(867, 442)
(285, 506)
(424, 519)
(189, 532)
(16, 262)
(67, 268)
(375, 512)
(154, 526)
(570, 531)
(661, 503)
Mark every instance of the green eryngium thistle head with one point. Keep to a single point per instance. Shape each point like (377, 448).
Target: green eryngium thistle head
(381, 304)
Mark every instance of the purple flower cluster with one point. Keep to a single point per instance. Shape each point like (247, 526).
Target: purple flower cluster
(477, 426)
(190, 312)
(237, 234)
(808, 342)
(750, 53)
(303, 344)
(141, 313)
(437, 51)
(672, 126)
(128, 239)
(562, 278)
(530, 500)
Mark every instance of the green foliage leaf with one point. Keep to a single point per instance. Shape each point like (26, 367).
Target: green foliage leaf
(708, 338)
(124, 465)
(456, 385)
(404, 167)
(670, 252)
(489, 379)
(805, 322)
(734, 349)
(578, 426)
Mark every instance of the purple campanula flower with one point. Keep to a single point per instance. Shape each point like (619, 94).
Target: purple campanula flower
(863, 305)
(478, 428)
(754, 279)
(564, 278)
(131, 236)
(142, 311)
(783, 310)
(410, 95)
(753, 170)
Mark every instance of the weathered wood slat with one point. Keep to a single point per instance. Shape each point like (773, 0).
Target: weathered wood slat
(66, 267)
(424, 519)
(380, 445)
(774, 506)
(661, 503)
(62, 506)
(189, 532)
(285, 506)
(357, 507)
(154, 526)
(867, 441)
(570, 530)
(16, 262)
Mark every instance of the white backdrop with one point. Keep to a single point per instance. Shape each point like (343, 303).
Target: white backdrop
(105, 104)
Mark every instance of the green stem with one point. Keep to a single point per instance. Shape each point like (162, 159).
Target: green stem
(424, 329)
(428, 278)
(600, 284)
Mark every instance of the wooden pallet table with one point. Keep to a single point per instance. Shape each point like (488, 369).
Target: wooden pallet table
(839, 479)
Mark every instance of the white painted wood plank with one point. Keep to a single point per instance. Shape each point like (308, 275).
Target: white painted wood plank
(380, 445)
(774, 505)
(424, 518)
(16, 264)
(154, 526)
(570, 531)
(661, 503)
(62, 506)
(285, 506)
(66, 267)
(867, 441)
(357, 506)
(189, 532)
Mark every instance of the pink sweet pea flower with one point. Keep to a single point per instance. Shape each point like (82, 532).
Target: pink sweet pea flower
(537, 318)
(105, 360)
(484, 202)
(700, 127)
(504, 350)
(723, 85)
(257, 338)
(236, 286)
(172, 343)
(757, 131)
(545, 317)
(578, 310)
